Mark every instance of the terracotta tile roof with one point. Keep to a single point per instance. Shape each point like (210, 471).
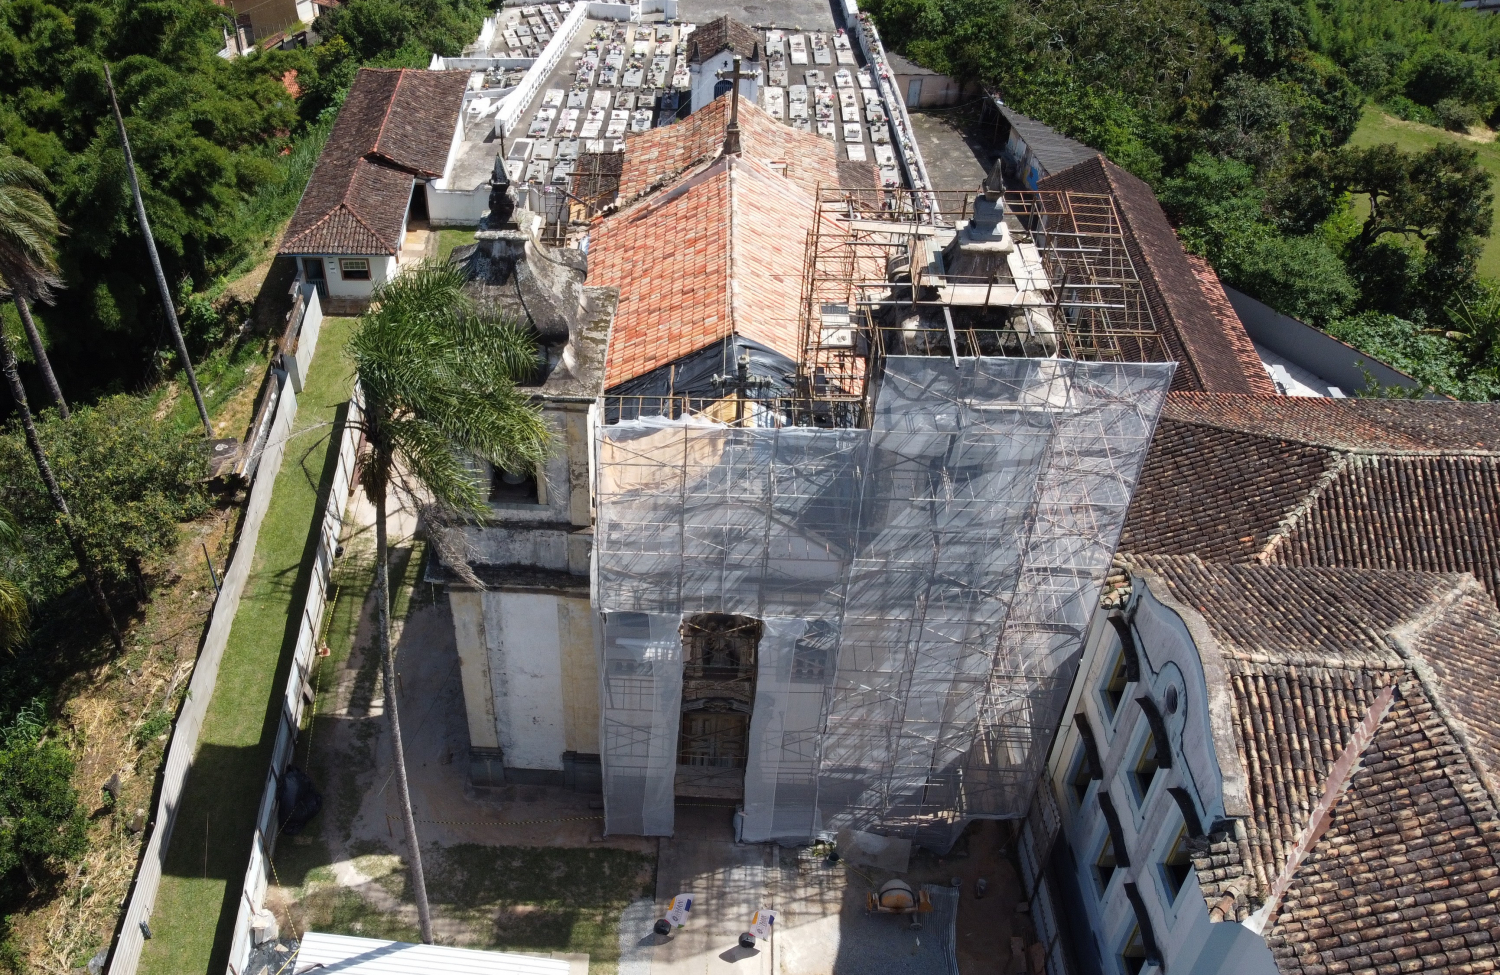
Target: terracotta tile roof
(663, 154)
(1410, 866)
(722, 34)
(1234, 329)
(719, 253)
(394, 126)
(1387, 484)
(1350, 424)
(1209, 354)
(1405, 877)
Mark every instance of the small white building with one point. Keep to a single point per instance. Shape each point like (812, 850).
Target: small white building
(1237, 742)
(395, 134)
(712, 48)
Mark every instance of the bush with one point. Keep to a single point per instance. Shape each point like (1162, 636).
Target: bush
(1298, 276)
(1404, 108)
(128, 479)
(41, 824)
(1419, 352)
(1455, 116)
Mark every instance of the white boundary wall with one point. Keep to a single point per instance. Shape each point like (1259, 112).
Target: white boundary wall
(142, 897)
(298, 360)
(263, 844)
(868, 38)
(516, 102)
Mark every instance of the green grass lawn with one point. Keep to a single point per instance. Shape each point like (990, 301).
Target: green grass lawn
(210, 847)
(451, 237)
(1378, 128)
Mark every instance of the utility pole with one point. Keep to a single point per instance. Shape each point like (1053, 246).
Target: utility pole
(161, 279)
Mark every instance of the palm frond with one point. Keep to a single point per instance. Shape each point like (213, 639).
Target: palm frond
(439, 381)
(28, 229)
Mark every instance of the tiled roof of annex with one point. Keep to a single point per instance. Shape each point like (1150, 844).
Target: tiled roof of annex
(663, 154)
(394, 126)
(1382, 484)
(1408, 869)
(719, 253)
(1210, 355)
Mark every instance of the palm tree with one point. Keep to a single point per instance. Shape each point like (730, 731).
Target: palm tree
(439, 383)
(161, 279)
(14, 613)
(65, 517)
(28, 263)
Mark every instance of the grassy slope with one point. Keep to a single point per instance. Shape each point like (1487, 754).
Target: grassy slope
(211, 841)
(1377, 128)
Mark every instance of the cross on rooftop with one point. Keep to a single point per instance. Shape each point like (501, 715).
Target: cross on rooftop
(734, 77)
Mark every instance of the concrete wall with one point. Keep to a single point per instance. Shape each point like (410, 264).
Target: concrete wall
(297, 360)
(1204, 763)
(529, 674)
(457, 208)
(934, 90)
(1316, 351)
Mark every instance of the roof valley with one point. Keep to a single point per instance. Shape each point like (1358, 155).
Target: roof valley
(731, 271)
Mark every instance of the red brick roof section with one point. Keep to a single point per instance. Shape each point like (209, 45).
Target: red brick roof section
(722, 34)
(661, 155)
(1209, 353)
(1379, 484)
(396, 125)
(1407, 872)
(720, 253)
(1234, 329)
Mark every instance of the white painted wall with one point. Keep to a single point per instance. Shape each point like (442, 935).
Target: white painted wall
(1169, 657)
(382, 269)
(522, 634)
(705, 76)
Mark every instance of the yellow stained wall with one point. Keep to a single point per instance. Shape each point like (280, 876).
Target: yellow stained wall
(580, 675)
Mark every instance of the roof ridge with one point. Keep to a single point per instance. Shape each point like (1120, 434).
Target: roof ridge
(1401, 638)
(384, 119)
(1340, 462)
(731, 291)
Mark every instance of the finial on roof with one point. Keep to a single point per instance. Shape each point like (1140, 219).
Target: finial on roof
(732, 132)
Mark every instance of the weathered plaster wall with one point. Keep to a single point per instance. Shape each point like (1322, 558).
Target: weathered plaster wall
(474, 666)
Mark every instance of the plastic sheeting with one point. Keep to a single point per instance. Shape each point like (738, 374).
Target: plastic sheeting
(642, 696)
(925, 585)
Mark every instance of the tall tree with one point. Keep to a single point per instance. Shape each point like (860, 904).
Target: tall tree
(439, 383)
(161, 279)
(28, 261)
(15, 615)
(65, 517)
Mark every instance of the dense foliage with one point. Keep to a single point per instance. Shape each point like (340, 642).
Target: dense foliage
(129, 481)
(224, 146)
(1239, 112)
(41, 823)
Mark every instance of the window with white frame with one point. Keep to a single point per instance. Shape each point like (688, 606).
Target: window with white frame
(1175, 865)
(1133, 954)
(354, 268)
(1145, 770)
(1105, 865)
(1081, 777)
(1112, 691)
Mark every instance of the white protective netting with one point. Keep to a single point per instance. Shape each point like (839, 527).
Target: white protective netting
(924, 586)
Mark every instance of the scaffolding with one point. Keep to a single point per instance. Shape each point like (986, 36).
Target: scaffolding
(923, 581)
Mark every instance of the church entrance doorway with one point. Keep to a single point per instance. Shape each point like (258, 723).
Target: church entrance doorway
(718, 694)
